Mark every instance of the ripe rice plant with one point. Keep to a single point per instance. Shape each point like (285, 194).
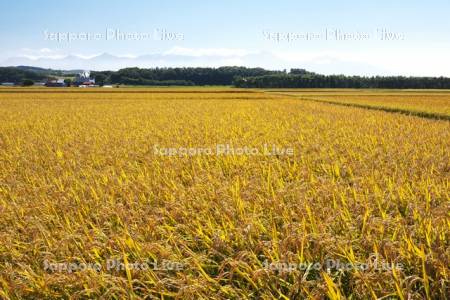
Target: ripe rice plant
(92, 206)
(435, 105)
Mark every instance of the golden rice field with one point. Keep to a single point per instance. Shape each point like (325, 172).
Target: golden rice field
(428, 104)
(92, 206)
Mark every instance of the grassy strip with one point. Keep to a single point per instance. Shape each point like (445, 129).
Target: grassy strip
(422, 114)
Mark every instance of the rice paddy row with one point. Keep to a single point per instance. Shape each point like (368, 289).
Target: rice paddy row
(89, 208)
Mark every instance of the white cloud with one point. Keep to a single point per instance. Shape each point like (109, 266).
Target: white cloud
(35, 54)
(46, 50)
(36, 57)
(85, 56)
(199, 52)
(415, 62)
(127, 56)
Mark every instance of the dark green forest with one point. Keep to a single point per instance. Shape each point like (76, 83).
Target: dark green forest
(237, 76)
(179, 76)
(341, 81)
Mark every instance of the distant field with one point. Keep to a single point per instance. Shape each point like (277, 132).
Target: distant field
(427, 103)
(84, 181)
(129, 89)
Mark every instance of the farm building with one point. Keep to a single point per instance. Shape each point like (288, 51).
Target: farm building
(84, 79)
(55, 82)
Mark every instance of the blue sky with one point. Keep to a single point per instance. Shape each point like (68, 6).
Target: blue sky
(213, 33)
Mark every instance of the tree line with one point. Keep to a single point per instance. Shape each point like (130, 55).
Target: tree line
(178, 76)
(18, 75)
(238, 76)
(26, 75)
(311, 80)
